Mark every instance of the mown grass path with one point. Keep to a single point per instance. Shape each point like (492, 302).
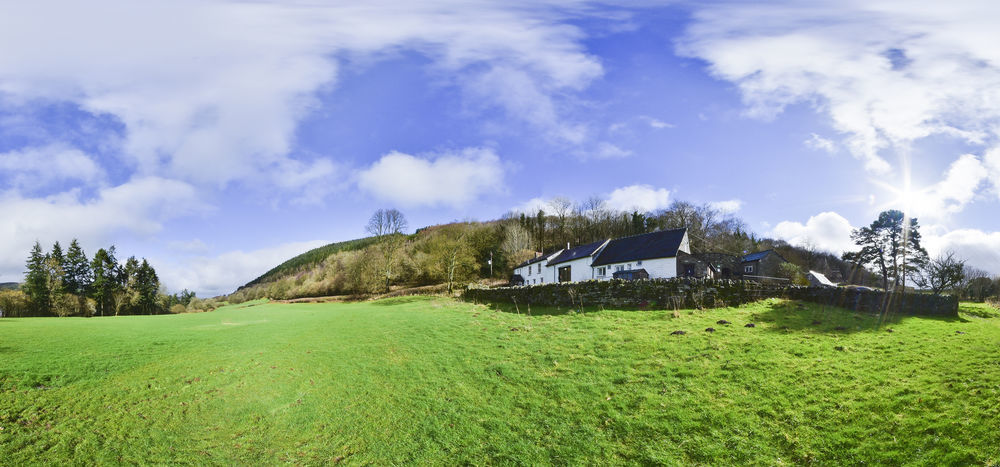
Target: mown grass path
(419, 380)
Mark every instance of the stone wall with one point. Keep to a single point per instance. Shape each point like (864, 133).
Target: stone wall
(705, 293)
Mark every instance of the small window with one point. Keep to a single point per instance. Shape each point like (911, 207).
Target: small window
(539, 268)
(629, 266)
(602, 271)
(541, 280)
(638, 263)
(619, 268)
(748, 269)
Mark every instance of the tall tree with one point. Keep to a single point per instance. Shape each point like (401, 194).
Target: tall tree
(106, 280)
(36, 281)
(147, 284)
(387, 226)
(890, 245)
(76, 270)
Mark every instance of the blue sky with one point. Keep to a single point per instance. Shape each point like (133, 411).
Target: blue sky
(219, 138)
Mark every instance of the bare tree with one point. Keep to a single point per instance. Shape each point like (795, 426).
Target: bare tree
(942, 273)
(387, 226)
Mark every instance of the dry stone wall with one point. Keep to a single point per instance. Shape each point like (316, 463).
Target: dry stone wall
(706, 293)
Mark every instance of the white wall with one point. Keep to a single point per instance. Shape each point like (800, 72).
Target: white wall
(660, 268)
(685, 245)
(579, 269)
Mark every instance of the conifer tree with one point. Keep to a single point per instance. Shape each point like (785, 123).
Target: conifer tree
(106, 279)
(36, 284)
(76, 270)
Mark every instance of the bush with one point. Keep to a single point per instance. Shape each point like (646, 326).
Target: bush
(14, 303)
(178, 308)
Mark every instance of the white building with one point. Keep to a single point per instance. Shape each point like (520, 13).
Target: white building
(645, 256)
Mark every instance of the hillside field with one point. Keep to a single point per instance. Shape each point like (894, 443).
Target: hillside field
(431, 380)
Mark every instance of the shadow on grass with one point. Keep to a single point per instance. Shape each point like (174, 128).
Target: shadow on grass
(792, 315)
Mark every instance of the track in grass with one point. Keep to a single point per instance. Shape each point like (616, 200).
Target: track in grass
(433, 380)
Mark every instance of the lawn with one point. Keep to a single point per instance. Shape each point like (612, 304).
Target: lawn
(427, 380)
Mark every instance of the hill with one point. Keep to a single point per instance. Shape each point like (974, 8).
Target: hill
(308, 260)
(434, 381)
(9, 285)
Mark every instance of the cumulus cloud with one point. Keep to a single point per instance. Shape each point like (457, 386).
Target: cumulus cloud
(826, 231)
(532, 206)
(35, 167)
(656, 123)
(215, 275)
(887, 73)
(978, 248)
(212, 91)
(727, 207)
(643, 198)
(452, 179)
(139, 207)
(958, 188)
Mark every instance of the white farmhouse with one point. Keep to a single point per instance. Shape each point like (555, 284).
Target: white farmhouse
(533, 271)
(645, 256)
(574, 264)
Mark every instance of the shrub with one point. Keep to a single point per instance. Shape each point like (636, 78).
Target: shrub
(14, 303)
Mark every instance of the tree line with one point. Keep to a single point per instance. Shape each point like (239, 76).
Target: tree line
(460, 252)
(58, 283)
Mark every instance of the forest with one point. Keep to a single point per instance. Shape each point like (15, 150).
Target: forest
(58, 283)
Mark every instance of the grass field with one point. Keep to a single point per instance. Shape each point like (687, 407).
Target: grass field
(418, 380)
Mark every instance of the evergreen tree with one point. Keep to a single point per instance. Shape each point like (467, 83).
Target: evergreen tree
(147, 284)
(890, 245)
(36, 283)
(76, 270)
(106, 280)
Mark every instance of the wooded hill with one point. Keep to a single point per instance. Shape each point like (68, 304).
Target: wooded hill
(458, 253)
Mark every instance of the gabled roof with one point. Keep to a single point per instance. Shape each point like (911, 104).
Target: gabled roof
(662, 244)
(581, 251)
(536, 259)
(758, 256)
(821, 279)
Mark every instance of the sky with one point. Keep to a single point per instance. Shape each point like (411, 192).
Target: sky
(219, 138)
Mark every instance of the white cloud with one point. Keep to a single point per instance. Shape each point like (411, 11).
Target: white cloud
(980, 249)
(140, 207)
(31, 168)
(222, 274)
(656, 123)
(453, 179)
(727, 207)
(820, 143)
(532, 206)
(826, 231)
(643, 198)
(949, 196)
(212, 91)
(888, 73)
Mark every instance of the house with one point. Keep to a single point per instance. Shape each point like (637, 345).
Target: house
(818, 279)
(726, 266)
(655, 254)
(689, 265)
(533, 271)
(761, 264)
(574, 264)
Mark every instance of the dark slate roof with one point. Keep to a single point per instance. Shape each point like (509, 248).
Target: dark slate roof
(581, 251)
(662, 244)
(758, 256)
(533, 260)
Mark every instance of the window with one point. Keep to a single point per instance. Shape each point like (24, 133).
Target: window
(539, 268)
(619, 268)
(602, 271)
(629, 266)
(638, 263)
(748, 269)
(541, 280)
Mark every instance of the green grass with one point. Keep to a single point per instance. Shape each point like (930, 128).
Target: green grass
(418, 380)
